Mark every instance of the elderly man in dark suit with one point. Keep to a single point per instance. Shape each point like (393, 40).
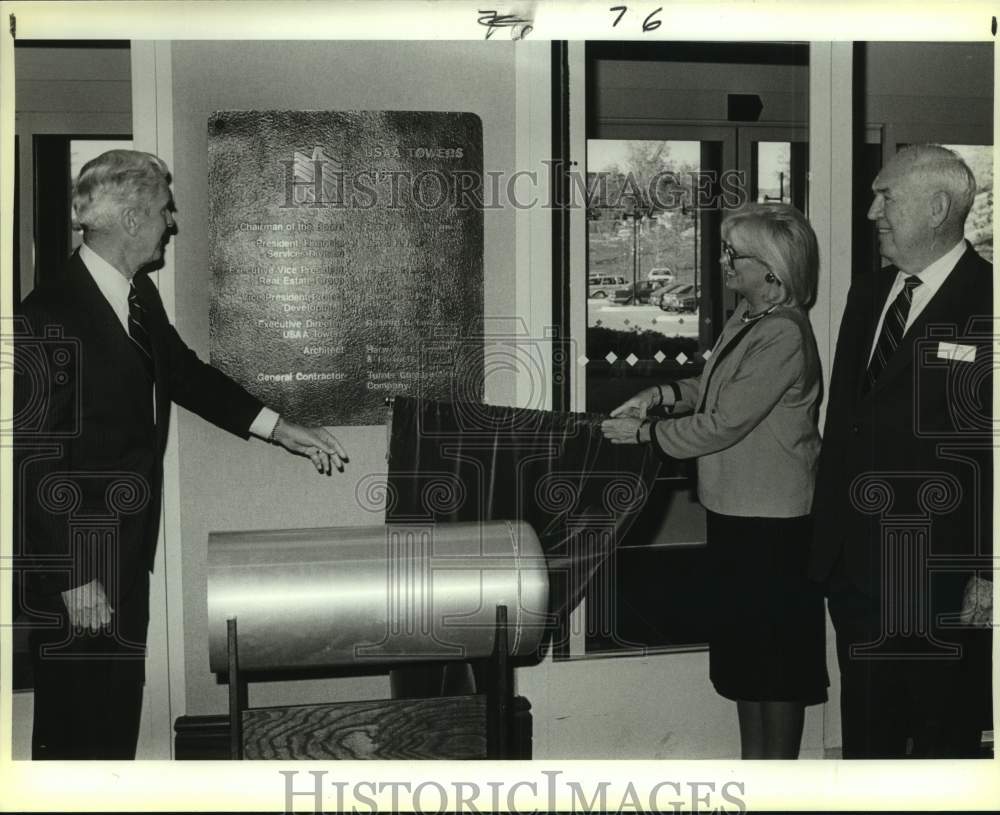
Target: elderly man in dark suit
(97, 368)
(903, 505)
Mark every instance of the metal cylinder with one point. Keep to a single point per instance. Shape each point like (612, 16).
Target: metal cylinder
(313, 598)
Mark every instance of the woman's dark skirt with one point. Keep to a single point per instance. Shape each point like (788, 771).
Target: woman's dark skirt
(768, 626)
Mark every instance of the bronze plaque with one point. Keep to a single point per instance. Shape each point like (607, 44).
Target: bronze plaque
(347, 258)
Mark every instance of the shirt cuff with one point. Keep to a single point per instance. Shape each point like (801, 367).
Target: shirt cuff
(263, 425)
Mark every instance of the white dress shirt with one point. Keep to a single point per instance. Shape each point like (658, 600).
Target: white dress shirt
(931, 279)
(115, 288)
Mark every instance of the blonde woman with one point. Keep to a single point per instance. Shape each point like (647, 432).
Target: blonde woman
(750, 420)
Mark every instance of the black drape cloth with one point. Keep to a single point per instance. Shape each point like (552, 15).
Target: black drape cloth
(473, 462)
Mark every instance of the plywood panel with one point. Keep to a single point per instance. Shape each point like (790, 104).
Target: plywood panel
(449, 728)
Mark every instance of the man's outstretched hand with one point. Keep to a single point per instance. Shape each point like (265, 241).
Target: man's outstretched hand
(318, 443)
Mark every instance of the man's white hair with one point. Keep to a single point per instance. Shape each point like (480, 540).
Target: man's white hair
(945, 170)
(113, 181)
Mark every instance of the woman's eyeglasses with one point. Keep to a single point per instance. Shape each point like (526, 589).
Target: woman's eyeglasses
(732, 257)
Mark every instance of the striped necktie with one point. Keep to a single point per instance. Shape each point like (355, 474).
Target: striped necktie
(893, 327)
(137, 330)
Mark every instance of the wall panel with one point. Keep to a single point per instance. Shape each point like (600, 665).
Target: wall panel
(229, 484)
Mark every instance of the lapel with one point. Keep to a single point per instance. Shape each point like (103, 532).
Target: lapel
(150, 301)
(872, 306)
(719, 353)
(706, 373)
(942, 308)
(104, 324)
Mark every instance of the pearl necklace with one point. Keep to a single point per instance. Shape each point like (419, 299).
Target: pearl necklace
(749, 318)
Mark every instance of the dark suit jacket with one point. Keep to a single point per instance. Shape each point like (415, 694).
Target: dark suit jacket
(89, 447)
(920, 442)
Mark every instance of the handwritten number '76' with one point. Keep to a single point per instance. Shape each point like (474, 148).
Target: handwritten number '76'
(649, 24)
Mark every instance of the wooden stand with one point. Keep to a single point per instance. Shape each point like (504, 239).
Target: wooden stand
(492, 726)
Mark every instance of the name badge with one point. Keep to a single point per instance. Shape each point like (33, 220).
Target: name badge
(956, 352)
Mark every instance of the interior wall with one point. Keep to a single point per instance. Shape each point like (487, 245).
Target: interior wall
(229, 484)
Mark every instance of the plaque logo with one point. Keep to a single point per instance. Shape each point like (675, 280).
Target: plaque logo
(313, 181)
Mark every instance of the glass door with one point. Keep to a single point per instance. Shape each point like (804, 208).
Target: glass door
(655, 304)
(654, 286)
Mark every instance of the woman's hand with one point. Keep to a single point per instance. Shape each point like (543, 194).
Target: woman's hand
(636, 407)
(622, 431)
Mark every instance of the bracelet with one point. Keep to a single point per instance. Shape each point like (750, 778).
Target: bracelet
(270, 438)
(642, 424)
(677, 395)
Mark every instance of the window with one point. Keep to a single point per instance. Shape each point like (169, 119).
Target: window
(774, 172)
(649, 203)
(979, 224)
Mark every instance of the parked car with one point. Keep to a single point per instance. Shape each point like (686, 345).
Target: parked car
(644, 289)
(691, 302)
(683, 298)
(661, 275)
(656, 295)
(609, 287)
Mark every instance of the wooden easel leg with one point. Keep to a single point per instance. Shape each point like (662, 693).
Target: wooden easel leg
(499, 693)
(237, 694)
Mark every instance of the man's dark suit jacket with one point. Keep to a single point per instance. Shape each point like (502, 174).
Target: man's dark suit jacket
(926, 414)
(89, 448)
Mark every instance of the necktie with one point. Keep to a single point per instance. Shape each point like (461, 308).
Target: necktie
(892, 330)
(137, 330)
